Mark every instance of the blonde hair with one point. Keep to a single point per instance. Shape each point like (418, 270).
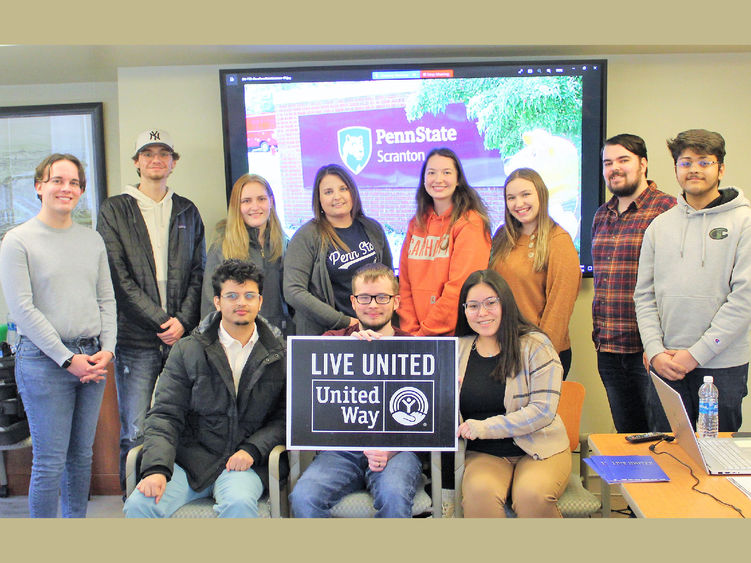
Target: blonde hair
(235, 237)
(506, 237)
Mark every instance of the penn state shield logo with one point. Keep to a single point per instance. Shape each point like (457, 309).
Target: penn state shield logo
(355, 147)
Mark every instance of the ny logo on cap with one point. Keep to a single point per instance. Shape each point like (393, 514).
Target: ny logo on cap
(154, 136)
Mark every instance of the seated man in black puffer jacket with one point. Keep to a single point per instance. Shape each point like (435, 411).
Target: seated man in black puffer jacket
(219, 407)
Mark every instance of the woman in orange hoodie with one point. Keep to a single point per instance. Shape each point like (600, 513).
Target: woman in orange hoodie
(447, 239)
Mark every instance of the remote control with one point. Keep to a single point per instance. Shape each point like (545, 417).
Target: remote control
(646, 437)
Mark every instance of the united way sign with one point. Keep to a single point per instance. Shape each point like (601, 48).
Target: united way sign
(389, 394)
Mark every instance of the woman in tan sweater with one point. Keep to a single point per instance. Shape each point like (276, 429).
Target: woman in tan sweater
(537, 259)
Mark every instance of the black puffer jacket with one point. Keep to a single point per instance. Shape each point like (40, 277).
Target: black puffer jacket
(198, 421)
(139, 310)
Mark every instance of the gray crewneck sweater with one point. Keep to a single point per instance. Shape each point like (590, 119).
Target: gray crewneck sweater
(57, 286)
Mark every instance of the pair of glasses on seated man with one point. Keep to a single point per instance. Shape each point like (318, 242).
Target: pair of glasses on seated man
(233, 296)
(688, 163)
(489, 304)
(366, 299)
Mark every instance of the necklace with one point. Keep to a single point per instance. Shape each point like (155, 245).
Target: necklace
(474, 349)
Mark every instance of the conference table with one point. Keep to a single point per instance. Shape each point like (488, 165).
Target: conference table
(675, 498)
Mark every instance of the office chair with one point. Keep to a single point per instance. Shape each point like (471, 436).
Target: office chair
(576, 501)
(271, 505)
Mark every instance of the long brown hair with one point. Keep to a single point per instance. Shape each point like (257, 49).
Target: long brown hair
(464, 199)
(508, 234)
(325, 228)
(513, 324)
(236, 240)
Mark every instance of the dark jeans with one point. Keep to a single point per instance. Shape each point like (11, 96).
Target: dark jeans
(136, 372)
(626, 383)
(732, 384)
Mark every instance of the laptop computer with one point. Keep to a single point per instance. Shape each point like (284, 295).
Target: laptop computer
(718, 456)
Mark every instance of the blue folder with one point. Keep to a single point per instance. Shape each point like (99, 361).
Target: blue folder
(626, 468)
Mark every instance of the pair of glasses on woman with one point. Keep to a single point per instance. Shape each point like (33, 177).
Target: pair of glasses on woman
(489, 304)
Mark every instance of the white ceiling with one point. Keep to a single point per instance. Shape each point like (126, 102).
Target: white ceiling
(52, 64)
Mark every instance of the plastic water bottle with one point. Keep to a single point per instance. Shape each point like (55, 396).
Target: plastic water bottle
(12, 336)
(707, 424)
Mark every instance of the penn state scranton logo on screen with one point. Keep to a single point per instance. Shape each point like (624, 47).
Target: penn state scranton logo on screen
(355, 147)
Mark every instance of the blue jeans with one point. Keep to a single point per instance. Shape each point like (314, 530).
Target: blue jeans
(136, 371)
(626, 383)
(732, 384)
(236, 494)
(63, 414)
(334, 474)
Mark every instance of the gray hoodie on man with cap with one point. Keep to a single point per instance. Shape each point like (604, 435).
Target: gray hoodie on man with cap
(693, 290)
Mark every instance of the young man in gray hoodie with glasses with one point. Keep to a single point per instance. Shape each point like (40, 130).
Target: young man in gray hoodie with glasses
(693, 290)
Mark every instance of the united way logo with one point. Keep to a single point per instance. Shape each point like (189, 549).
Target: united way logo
(408, 406)
(355, 147)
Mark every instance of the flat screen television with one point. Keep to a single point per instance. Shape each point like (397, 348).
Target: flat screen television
(380, 120)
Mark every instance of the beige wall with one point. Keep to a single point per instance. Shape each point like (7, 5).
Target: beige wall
(654, 96)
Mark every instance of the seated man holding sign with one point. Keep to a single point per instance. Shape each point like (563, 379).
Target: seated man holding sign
(391, 477)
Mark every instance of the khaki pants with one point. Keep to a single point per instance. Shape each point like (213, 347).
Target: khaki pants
(535, 485)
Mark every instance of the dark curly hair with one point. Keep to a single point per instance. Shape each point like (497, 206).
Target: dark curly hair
(239, 271)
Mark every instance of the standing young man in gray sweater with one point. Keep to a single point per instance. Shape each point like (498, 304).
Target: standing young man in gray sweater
(693, 290)
(155, 245)
(56, 281)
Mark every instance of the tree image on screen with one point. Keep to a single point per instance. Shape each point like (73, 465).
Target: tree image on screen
(532, 123)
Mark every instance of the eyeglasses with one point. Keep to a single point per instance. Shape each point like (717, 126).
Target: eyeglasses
(381, 298)
(688, 163)
(232, 296)
(57, 181)
(489, 304)
(161, 153)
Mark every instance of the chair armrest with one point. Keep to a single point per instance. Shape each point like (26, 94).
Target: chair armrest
(583, 454)
(458, 475)
(274, 480)
(436, 485)
(131, 469)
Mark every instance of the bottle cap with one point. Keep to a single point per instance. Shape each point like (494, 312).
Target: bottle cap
(708, 379)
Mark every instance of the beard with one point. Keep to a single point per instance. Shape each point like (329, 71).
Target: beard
(625, 190)
(374, 327)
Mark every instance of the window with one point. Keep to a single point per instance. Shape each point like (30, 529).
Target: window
(30, 133)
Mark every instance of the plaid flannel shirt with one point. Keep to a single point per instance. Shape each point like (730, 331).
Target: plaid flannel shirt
(616, 245)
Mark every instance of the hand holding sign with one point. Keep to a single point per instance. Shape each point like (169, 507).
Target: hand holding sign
(377, 459)
(465, 431)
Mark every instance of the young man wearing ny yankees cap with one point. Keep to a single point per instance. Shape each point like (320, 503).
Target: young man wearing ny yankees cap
(155, 245)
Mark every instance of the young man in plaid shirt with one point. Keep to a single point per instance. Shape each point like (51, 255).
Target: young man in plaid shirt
(617, 232)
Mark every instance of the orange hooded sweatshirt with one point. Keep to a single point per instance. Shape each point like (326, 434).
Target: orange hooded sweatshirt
(432, 272)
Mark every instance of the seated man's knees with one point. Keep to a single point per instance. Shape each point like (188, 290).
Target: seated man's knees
(305, 499)
(139, 505)
(244, 506)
